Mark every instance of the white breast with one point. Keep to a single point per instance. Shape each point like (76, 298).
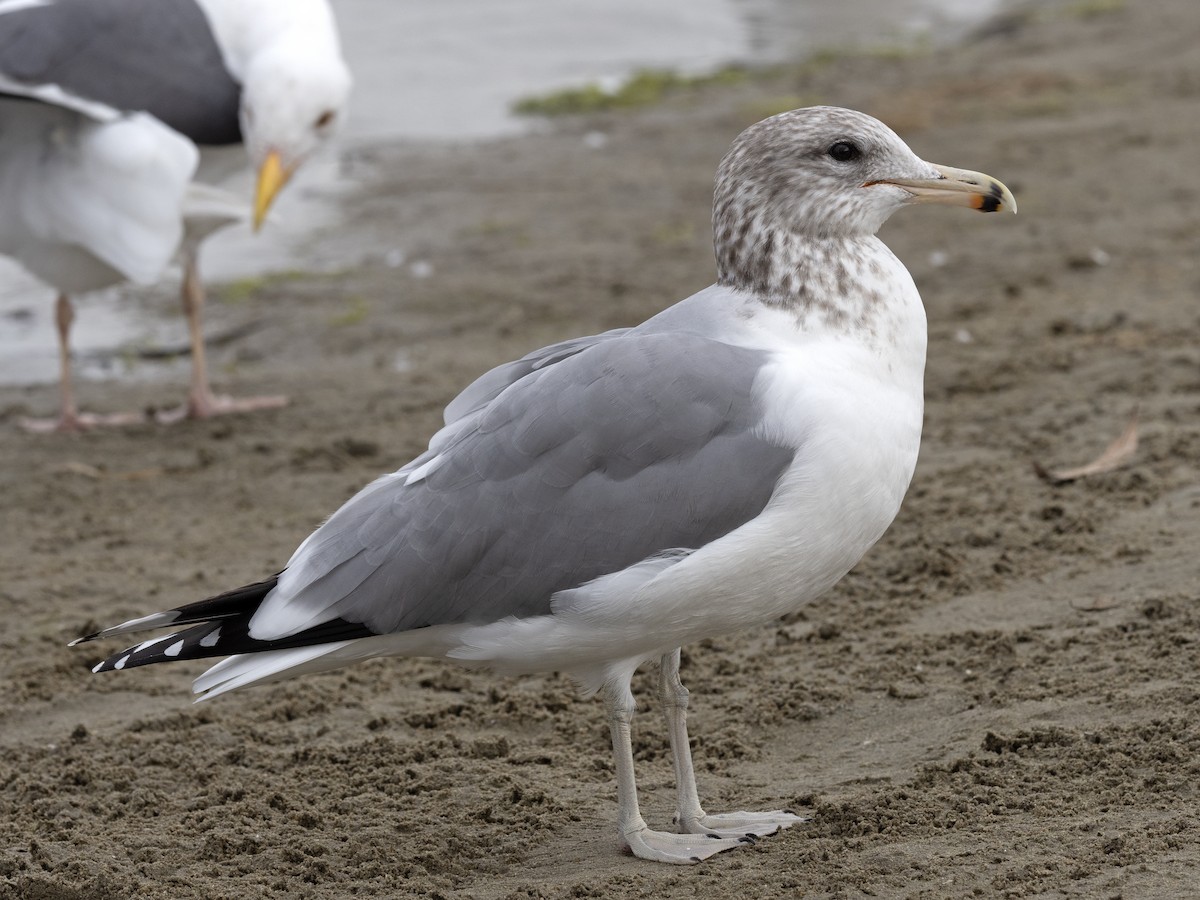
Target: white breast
(850, 400)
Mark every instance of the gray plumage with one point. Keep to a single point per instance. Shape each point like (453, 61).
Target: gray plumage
(484, 389)
(593, 444)
(154, 56)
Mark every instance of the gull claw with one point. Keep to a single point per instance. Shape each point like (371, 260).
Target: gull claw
(679, 849)
(748, 826)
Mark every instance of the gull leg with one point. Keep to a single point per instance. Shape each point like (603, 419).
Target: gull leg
(660, 846)
(200, 400)
(202, 403)
(690, 817)
(69, 417)
(64, 318)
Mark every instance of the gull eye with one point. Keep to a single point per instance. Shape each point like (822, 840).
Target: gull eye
(845, 151)
(324, 119)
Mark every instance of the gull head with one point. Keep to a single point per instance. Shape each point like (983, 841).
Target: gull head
(293, 101)
(825, 172)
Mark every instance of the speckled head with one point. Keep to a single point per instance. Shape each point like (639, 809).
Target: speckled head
(822, 174)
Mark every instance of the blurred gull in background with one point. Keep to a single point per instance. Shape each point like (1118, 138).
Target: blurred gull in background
(462, 64)
(108, 111)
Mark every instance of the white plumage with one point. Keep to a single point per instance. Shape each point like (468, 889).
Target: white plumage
(91, 203)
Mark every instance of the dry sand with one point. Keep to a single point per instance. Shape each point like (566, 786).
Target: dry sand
(1002, 700)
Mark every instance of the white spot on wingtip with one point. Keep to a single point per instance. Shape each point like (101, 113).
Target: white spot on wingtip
(121, 662)
(150, 643)
(210, 639)
(97, 667)
(174, 649)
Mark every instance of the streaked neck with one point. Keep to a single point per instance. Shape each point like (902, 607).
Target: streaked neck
(835, 274)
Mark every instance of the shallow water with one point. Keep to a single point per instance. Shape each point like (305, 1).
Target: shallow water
(439, 70)
(443, 70)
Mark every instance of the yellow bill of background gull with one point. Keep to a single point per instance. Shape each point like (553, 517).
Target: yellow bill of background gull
(604, 501)
(108, 108)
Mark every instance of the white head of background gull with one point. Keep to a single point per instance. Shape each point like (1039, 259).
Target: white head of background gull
(603, 501)
(95, 173)
(295, 86)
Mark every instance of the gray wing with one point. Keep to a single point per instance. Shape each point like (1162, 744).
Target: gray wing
(484, 389)
(626, 449)
(156, 56)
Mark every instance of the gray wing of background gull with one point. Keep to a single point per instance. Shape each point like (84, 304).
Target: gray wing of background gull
(154, 56)
(628, 446)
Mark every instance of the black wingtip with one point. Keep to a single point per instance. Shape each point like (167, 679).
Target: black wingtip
(238, 603)
(225, 637)
(220, 626)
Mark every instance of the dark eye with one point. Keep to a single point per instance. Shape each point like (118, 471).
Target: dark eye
(845, 151)
(324, 118)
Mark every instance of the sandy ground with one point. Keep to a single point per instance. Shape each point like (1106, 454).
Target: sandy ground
(1003, 698)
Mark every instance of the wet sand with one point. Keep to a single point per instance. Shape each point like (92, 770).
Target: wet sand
(1001, 700)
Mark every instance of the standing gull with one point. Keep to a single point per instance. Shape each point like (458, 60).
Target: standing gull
(107, 108)
(603, 501)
